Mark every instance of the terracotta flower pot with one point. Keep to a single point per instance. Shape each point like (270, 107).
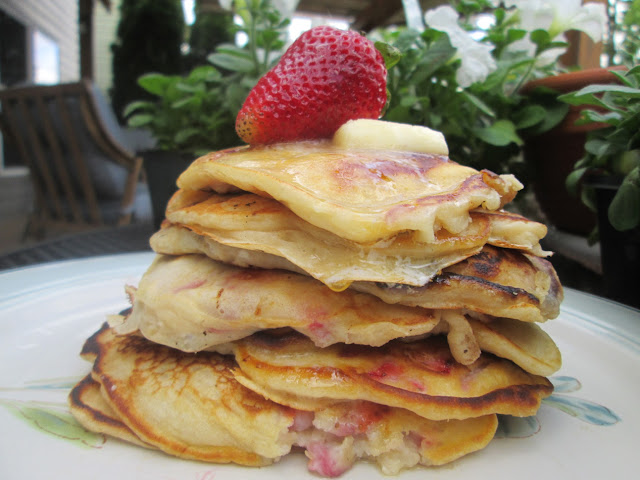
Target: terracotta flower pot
(555, 152)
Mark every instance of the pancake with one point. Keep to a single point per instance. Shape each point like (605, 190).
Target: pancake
(360, 195)
(420, 376)
(88, 406)
(150, 385)
(525, 344)
(192, 303)
(496, 282)
(256, 223)
(252, 222)
(188, 405)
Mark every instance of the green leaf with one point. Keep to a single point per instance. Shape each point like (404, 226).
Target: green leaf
(390, 54)
(624, 210)
(186, 101)
(185, 134)
(598, 147)
(588, 197)
(234, 50)
(483, 107)
(588, 95)
(592, 116)
(137, 105)
(140, 120)
(232, 62)
(204, 73)
(624, 78)
(500, 134)
(555, 113)
(541, 38)
(435, 57)
(529, 116)
(155, 83)
(574, 179)
(515, 34)
(398, 114)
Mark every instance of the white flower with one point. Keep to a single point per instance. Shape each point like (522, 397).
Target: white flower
(589, 18)
(476, 60)
(556, 16)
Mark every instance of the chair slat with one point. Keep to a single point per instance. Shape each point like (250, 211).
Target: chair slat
(58, 160)
(90, 196)
(40, 160)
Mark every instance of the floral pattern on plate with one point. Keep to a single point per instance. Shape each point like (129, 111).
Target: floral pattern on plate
(54, 418)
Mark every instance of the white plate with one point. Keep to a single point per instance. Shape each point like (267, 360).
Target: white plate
(46, 313)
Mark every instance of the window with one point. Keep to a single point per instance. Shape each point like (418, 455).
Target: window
(13, 51)
(46, 59)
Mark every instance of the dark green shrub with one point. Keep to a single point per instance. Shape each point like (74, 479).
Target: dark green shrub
(149, 37)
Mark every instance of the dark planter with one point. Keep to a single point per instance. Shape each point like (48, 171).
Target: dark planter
(554, 153)
(619, 251)
(163, 169)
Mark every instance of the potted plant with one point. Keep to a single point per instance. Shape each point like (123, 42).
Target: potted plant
(464, 75)
(607, 178)
(555, 151)
(188, 118)
(190, 115)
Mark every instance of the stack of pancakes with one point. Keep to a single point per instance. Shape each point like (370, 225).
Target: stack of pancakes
(352, 303)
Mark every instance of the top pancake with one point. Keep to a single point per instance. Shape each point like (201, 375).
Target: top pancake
(360, 195)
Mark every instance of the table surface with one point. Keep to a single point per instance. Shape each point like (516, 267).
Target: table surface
(106, 241)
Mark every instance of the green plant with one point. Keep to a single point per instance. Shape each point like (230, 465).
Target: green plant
(265, 30)
(465, 81)
(195, 113)
(149, 36)
(212, 27)
(613, 150)
(188, 115)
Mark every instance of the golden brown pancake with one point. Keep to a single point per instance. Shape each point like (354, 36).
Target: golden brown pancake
(88, 406)
(188, 405)
(359, 195)
(252, 222)
(192, 303)
(422, 377)
(151, 386)
(256, 223)
(525, 344)
(496, 282)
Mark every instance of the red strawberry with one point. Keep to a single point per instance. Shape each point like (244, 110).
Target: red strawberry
(327, 77)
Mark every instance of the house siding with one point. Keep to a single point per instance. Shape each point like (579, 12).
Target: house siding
(105, 25)
(58, 19)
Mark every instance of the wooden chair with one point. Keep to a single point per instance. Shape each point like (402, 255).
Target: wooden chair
(83, 176)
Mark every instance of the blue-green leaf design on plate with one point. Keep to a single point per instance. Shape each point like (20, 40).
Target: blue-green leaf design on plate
(56, 423)
(584, 410)
(62, 383)
(517, 427)
(562, 384)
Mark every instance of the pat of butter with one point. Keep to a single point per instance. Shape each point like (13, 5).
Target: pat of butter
(382, 135)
